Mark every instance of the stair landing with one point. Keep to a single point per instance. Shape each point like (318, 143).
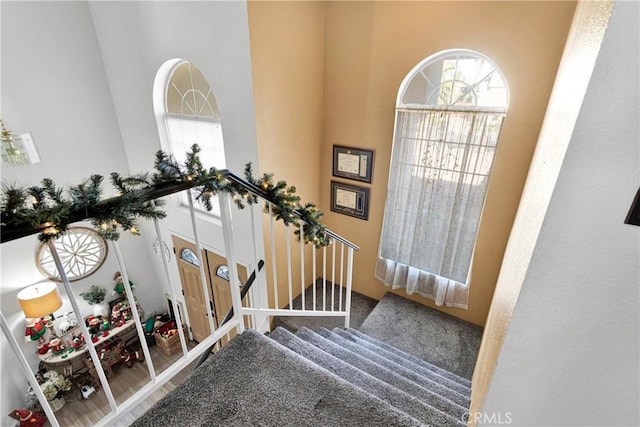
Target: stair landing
(426, 333)
(361, 307)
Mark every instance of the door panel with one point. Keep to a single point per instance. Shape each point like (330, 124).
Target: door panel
(221, 288)
(192, 289)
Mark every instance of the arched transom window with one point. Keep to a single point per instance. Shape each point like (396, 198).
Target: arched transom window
(449, 116)
(188, 114)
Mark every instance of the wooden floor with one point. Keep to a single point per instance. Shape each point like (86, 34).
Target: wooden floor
(87, 412)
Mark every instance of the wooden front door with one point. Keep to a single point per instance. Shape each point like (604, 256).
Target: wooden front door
(188, 267)
(218, 287)
(219, 282)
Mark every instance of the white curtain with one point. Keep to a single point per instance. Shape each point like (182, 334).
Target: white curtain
(440, 165)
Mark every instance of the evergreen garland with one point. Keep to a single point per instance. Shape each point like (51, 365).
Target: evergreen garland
(53, 209)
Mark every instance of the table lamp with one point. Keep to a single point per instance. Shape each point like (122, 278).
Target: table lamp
(38, 301)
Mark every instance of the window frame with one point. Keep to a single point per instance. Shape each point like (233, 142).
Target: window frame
(397, 271)
(162, 85)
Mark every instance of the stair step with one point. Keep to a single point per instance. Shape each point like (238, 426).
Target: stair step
(398, 398)
(254, 380)
(432, 398)
(398, 357)
(422, 380)
(379, 344)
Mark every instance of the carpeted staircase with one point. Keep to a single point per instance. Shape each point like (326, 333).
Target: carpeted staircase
(338, 377)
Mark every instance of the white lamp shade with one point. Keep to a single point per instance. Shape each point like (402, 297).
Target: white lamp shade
(40, 299)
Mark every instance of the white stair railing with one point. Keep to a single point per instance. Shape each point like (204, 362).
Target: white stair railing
(336, 292)
(258, 306)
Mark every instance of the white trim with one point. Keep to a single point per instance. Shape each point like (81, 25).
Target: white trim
(441, 54)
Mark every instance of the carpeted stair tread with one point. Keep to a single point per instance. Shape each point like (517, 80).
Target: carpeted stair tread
(418, 378)
(399, 399)
(439, 338)
(414, 389)
(396, 356)
(409, 357)
(255, 381)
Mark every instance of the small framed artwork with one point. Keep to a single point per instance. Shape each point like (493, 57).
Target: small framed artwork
(350, 200)
(353, 163)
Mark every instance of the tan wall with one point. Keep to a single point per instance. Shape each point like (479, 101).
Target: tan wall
(369, 49)
(287, 54)
(328, 73)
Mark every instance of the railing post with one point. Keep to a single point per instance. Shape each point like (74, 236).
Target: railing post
(302, 279)
(289, 278)
(83, 327)
(134, 310)
(29, 373)
(333, 275)
(259, 293)
(274, 268)
(229, 243)
(174, 301)
(203, 277)
(347, 307)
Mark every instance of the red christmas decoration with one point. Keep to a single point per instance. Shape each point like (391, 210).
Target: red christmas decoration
(28, 418)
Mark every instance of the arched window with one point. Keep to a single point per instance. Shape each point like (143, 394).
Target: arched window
(187, 114)
(223, 272)
(189, 256)
(449, 116)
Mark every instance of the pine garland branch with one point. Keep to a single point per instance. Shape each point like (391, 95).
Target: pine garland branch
(52, 209)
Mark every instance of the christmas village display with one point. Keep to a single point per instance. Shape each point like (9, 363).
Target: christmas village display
(56, 385)
(41, 331)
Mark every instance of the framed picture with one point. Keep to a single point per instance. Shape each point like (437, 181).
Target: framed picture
(353, 163)
(350, 200)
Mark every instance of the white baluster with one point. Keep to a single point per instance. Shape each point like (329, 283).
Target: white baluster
(302, 280)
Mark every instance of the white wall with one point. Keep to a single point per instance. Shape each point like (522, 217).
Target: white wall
(571, 353)
(54, 85)
(79, 75)
(136, 38)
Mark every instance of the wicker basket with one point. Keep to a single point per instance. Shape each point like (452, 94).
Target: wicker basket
(169, 344)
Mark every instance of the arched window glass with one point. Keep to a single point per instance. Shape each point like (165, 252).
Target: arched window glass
(188, 256)
(189, 115)
(449, 116)
(223, 272)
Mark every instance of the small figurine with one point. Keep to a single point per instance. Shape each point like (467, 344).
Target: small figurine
(36, 328)
(37, 331)
(77, 341)
(56, 345)
(93, 324)
(118, 281)
(116, 312)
